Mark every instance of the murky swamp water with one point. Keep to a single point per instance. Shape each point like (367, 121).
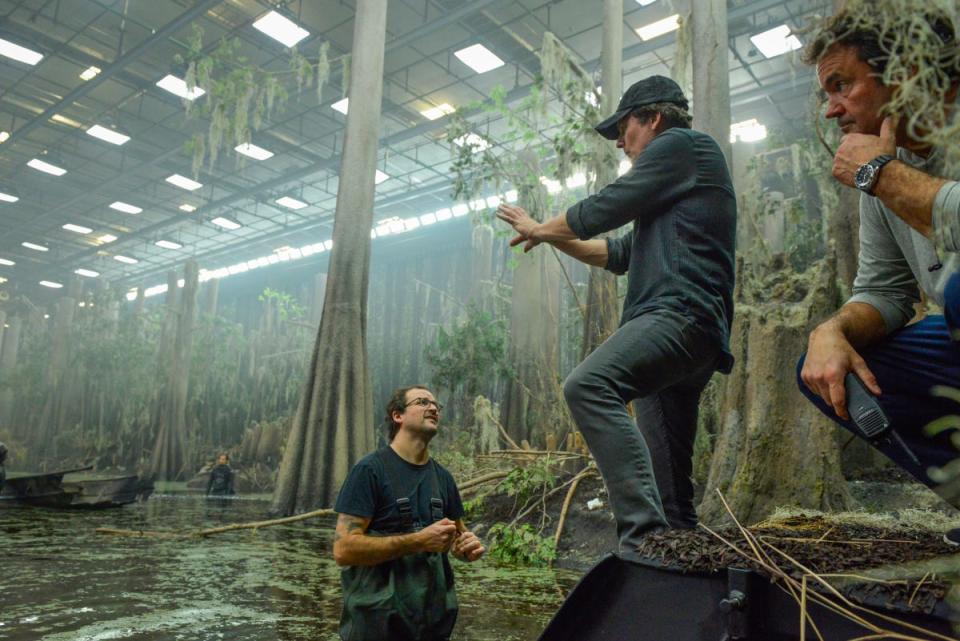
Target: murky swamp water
(61, 581)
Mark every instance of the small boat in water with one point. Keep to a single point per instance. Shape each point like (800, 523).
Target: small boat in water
(50, 490)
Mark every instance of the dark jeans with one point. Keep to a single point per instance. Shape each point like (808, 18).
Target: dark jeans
(907, 364)
(664, 360)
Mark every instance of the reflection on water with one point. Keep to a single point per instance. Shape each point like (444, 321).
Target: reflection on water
(60, 581)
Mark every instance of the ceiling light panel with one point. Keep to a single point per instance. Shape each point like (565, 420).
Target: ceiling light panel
(660, 27)
(341, 105)
(226, 223)
(281, 28)
(183, 182)
(108, 135)
(126, 208)
(478, 142)
(18, 53)
(775, 42)
(178, 87)
(45, 167)
(77, 229)
(187, 208)
(168, 244)
(89, 273)
(435, 113)
(34, 246)
(253, 151)
(291, 203)
(7, 262)
(479, 58)
(379, 177)
(106, 238)
(126, 259)
(89, 73)
(51, 284)
(8, 198)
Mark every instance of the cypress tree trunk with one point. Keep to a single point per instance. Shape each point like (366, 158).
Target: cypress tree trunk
(774, 448)
(169, 452)
(8, 362)
(600, 315)
(51, 415)
(331, 429)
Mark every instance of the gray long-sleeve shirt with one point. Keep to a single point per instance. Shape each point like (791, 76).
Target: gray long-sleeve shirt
(895, 260)
(680, 253)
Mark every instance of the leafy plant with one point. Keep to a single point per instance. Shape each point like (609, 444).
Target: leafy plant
(520, 545)
(470, 354)
(524, 483)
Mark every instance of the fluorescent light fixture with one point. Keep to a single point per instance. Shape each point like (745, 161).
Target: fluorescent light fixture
(106, 238)
(125, 207)
(493, 201)
(476, 141)
(443, 214)
(776, 41)
(187, 208)
(2, 281)
(435, 113)
(379, 177)
(126, 259)
(47, 168)
(89, 73)
(290, 202)
(281, 29)
(168, 244)
(63, 120)
(511, 196)
(51, 284)
(18, 53)
(660, 27)
(108, 135)
(34, 246)
(409, 224)
(747, 131)
(226, 223)
(644, 3)
(341, 105)
(183, 182)
(428, 219)
(479, 58)
(89, 273)
(4, 135)
(328, 244)
(178, 87)
(8, 198)
(460, 209)
(253, 151)
(80, 229)
(7, 262)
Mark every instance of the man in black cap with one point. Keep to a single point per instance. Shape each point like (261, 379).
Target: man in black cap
(679, 261)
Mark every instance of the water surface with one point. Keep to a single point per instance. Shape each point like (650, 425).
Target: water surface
(60, 581)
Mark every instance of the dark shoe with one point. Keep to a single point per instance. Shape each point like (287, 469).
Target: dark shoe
(952, 537)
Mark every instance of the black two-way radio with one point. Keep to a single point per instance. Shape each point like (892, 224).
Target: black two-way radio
(869, 417)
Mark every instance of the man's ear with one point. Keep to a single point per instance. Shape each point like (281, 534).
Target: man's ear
(396, 416)
(657, 121)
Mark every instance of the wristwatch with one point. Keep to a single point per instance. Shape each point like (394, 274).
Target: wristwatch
(867, 174)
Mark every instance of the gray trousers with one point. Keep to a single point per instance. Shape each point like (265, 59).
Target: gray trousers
(664, 361)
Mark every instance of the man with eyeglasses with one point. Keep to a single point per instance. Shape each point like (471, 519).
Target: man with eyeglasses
(400, 513)
(678, 256)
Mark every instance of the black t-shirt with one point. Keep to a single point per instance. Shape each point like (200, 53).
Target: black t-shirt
(680, 254)
(369, 491)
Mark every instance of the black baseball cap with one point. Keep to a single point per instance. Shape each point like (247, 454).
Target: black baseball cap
(643, 92)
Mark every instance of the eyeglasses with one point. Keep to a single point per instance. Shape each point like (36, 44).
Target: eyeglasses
(425, 402)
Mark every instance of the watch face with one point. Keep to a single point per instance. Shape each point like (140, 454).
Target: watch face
(865, 176)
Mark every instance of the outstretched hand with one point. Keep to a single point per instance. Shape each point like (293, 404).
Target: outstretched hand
(522, 223)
